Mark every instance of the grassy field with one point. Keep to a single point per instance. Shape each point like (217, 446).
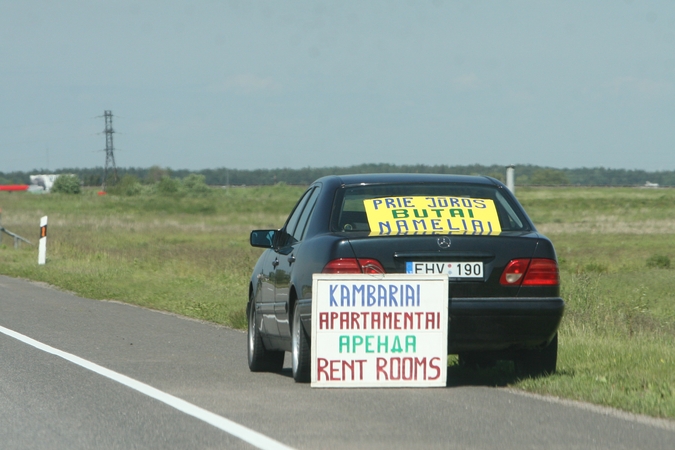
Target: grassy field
(617, 339)
(186, 255)
(191, 256)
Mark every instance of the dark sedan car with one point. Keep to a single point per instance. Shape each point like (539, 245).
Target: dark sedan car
(504, 294)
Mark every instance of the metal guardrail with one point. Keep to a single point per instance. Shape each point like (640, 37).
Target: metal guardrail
(17, 238)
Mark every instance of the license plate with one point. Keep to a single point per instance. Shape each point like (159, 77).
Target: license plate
(470, 269)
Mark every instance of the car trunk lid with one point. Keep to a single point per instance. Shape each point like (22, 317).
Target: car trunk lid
(488, 255)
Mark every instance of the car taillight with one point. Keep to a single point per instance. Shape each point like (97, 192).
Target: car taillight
(530, 272)
(542, 272)
(353, 265)
(514, 271)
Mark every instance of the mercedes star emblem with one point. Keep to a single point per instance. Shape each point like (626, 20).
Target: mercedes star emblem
(443, 242)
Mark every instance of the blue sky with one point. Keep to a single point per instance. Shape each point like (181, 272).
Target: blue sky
(247, 85)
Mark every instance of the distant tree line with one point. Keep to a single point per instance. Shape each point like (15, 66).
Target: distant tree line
(525, 174)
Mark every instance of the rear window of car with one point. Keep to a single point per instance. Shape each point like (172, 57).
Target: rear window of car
(418, 209)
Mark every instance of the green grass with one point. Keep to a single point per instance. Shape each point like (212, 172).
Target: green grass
(617, 339)
(186, 255)
(191, 256)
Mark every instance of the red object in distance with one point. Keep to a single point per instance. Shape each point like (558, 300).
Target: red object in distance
(101, 192)
(14, 187)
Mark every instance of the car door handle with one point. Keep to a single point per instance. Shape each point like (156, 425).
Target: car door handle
(275, 263)
(291, 259)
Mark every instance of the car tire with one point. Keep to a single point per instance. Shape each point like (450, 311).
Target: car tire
(259, 358)
(539, 362)
(300, 353)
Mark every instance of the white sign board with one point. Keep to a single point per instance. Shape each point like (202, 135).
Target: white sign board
(387, 330)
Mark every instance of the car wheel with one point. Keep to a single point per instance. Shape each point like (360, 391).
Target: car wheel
(300, 350)
(535, 363)
(259, 358)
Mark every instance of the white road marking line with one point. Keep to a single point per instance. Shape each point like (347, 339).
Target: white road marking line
(245, 434)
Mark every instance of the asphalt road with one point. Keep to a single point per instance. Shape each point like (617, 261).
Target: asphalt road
(47, 401)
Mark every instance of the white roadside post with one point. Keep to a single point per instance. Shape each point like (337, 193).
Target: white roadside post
(511, 178)
(42, 246)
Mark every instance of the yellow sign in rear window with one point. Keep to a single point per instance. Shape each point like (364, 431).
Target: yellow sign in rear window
(431, 215)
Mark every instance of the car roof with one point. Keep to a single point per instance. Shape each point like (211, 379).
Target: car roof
(377, 178)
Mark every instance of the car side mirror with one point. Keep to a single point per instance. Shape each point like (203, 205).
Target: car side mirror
(263, 238)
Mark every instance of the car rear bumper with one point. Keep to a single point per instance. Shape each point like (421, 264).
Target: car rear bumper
(485, 324)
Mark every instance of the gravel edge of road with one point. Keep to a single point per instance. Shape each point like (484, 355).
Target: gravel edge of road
(657, 422)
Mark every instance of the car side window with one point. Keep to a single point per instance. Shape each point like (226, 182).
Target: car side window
(301, 229)
(288, 235)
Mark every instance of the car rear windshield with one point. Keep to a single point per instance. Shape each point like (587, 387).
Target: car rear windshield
(412, 209)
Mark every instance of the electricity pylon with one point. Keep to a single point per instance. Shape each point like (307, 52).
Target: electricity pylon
(109, 149)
